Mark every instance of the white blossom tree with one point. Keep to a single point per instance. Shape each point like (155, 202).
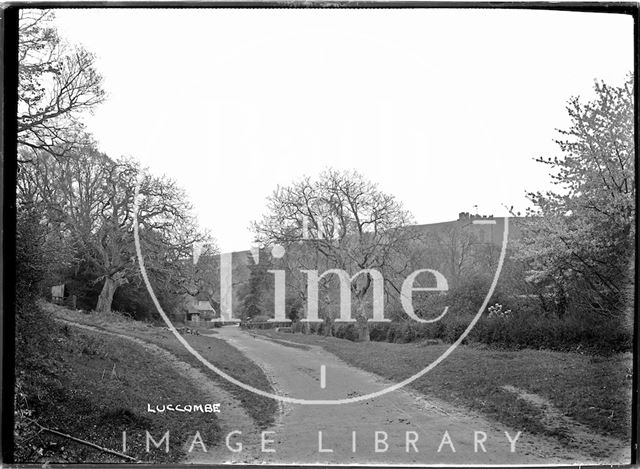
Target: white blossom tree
(580, 239)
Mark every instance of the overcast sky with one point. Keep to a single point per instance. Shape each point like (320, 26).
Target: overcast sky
(445, 109)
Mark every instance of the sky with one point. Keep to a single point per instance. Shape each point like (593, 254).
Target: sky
(444, 109)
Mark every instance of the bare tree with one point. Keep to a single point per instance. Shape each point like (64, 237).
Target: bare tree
(457, 244)
(339, 221)
(57, 83)
(90, 198)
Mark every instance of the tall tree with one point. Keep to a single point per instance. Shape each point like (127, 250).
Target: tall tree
(457, 243)
(344, 222)
(254, 291)
(90, 198)
(580, 241)
(57, 83)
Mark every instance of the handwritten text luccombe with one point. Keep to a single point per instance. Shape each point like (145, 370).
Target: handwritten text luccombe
(205, 408)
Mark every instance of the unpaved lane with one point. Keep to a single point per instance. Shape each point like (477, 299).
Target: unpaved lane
(399, 417)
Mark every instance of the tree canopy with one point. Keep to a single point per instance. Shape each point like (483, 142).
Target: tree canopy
(83, 197)
(338, 221)
(580, 238)
(57, 83)
(90, 198)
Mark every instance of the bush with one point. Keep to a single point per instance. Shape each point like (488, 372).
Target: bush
(406, 333)
(346, 331)
(573, 332)
(510, 322)
(378, 331)
(468, 295)
(392, 332)
(513, 323)
(259, 318)
(31, 262)
(33, 325)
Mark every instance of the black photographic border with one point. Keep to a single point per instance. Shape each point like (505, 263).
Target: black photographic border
(8, 166)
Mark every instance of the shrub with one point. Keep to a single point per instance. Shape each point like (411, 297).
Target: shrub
(570, 333)
(406, 332)
(34, 326)
(468, 295)
(392, 332)
(346, 331)
(510, 322)
(498, 312)
(378, 331)
(314, 327)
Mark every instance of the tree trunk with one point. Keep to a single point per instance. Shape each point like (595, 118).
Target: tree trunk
(306, 327)
(362, 322)
(108, 290)
(106, 295)
(328, 326)
(363, 332)
(560, 301)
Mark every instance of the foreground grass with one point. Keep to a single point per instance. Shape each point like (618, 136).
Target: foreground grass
(227, 358)
(94, 387)
(592, 390)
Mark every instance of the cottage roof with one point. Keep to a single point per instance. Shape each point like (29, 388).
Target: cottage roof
(204, 306)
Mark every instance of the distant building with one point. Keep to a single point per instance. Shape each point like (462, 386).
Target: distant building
(470, 216)
(487, 235)
(200, 309)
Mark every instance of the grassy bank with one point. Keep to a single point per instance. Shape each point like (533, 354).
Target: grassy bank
(93, 388)
(216, 351)
(592, 390)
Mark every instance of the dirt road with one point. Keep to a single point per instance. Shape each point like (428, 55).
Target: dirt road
(409, 428)
(413, 427)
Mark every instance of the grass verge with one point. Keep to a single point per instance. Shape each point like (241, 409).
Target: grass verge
(592, 390)
(94, 388)
(227, 358)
